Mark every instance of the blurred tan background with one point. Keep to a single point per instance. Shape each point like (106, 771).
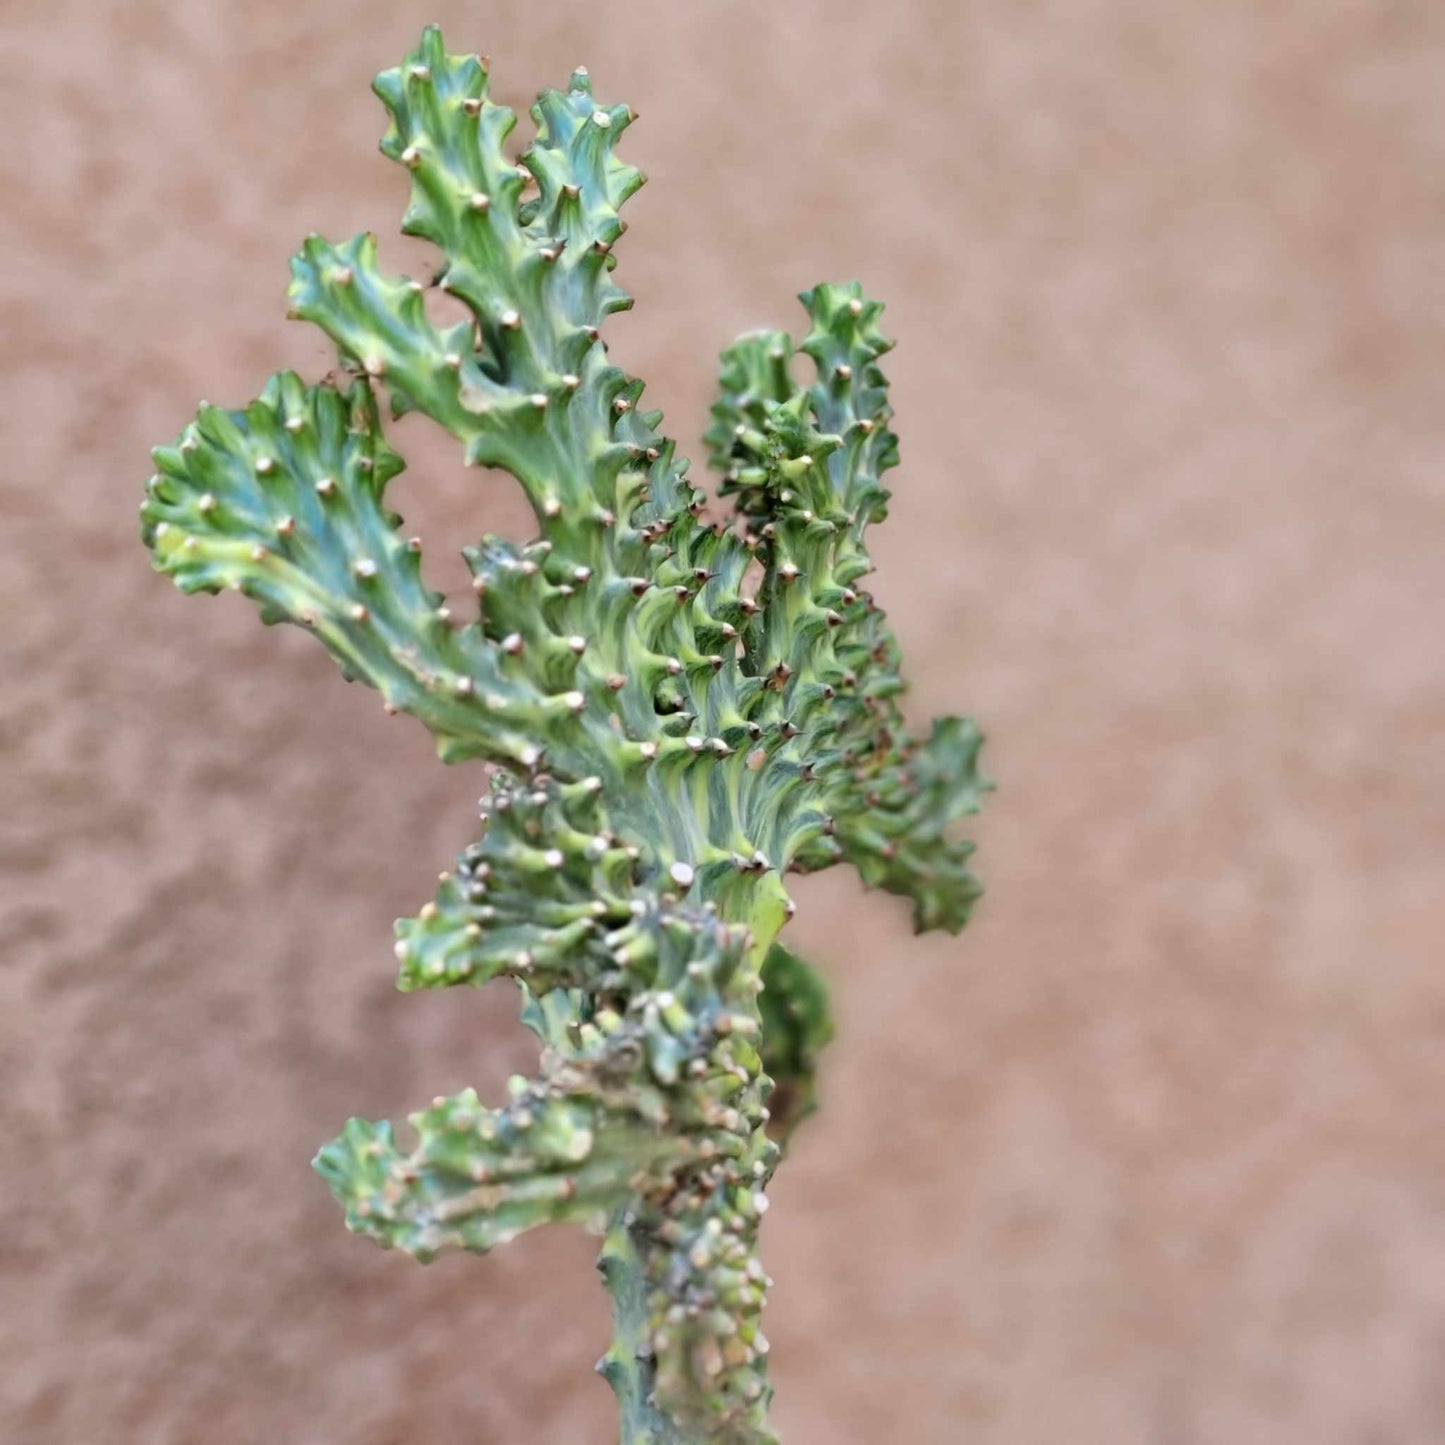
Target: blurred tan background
(1156, 1151)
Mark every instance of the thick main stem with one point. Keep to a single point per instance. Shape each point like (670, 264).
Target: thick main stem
(628, 1364)
(761, 904)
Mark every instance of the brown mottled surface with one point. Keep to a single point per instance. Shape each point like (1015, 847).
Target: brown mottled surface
(1156, 1153)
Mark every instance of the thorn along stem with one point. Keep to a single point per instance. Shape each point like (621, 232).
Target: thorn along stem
(678, 711)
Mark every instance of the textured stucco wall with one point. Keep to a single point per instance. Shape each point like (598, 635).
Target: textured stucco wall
(1156, 1153)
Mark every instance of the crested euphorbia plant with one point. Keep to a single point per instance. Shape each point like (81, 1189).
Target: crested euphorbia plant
(676, 712)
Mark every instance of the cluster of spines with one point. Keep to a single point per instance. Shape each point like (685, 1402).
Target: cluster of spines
(284, 501)
(898, 830)
(534, 899)
(805, 466)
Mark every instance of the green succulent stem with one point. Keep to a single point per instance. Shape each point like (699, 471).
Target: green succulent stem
(630, 1250)
(628, 1363)
(677, 711)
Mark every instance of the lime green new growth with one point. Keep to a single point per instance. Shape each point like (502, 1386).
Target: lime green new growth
(678, 712)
